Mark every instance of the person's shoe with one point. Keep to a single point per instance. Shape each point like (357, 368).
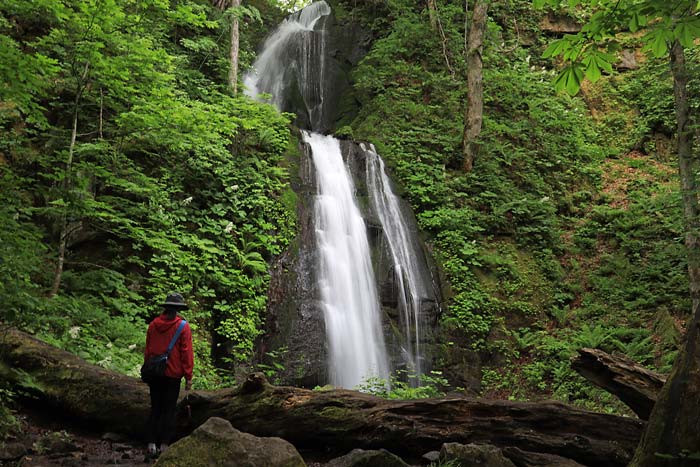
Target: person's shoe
(151, 454)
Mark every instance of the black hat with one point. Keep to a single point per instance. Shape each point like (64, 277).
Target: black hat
(174, 300)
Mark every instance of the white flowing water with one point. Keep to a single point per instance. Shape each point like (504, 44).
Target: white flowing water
(346, 278)
(292, 64)
(411, 287)
(293, 60)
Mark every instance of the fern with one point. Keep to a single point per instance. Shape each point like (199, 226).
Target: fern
(593, 336)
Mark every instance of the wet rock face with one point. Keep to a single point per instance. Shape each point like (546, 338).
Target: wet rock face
(385, 272)
(216, 442)
(295, 329)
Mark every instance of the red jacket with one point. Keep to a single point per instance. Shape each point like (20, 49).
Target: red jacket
(160, 333)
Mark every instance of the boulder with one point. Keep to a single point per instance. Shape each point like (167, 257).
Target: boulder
(362, 458)
(536, 459)
(432, 457)
(218, 443)
(474, 455)
(11, 451)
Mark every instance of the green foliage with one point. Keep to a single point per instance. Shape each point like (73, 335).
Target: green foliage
(535, 145)
(591, 51)
(273, 367)
(404, 386)
(547, 246)
(8, 422)
(176, 185)
(173, 184)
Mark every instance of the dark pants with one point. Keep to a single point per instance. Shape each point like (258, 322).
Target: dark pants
(161, 423)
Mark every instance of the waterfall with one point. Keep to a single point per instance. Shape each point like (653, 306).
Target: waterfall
(293, 62)
(293, 68)
(411, 287)
(346, 279)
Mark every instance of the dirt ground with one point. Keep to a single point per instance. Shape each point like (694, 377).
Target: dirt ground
(43, 440)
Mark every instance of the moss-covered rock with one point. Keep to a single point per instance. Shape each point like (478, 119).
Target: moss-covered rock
(468, 455)
(217, 443)
(362, 458)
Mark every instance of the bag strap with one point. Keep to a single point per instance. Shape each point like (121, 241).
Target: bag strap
(177, 334)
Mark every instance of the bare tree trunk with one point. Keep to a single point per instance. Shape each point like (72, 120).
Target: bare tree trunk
(102, 101)
(672, 437)
(63, 236)
(432, 12)
(235, 39)
(473, 116)
(436, 24)
(466, 25)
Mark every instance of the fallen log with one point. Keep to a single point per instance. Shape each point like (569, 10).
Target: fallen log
(633, 384)
(332, 421)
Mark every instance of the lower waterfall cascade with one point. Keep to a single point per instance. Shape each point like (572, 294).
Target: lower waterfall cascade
(347, 283)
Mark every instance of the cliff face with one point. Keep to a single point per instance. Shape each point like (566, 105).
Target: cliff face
(295, 330)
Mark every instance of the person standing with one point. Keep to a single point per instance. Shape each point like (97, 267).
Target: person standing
(165, 390)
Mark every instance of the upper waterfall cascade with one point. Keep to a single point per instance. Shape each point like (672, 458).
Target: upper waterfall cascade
(293, 60)
(293, 64)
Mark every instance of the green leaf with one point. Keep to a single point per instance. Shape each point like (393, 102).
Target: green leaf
(593, 72)
(687, 31)
(656, 43)
(574, 79)
(557, 47)
(634, 23)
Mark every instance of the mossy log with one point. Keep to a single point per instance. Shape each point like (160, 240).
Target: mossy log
(633, 384)
(332, 421)
(70, 386)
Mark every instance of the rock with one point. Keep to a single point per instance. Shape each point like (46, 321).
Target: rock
(11, 451)
(114, 437)
(535, 459)
(362, 458)
(474, 455)
(217, 443)
(628, 60)
(56, 443)
(432, 456)
(558, 24)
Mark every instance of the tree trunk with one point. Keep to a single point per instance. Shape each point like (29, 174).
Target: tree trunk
(233, 70)
(630, 382)
(335, 421)
(63, 236)
(432, 12)
(473, 115)
(673, 432)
